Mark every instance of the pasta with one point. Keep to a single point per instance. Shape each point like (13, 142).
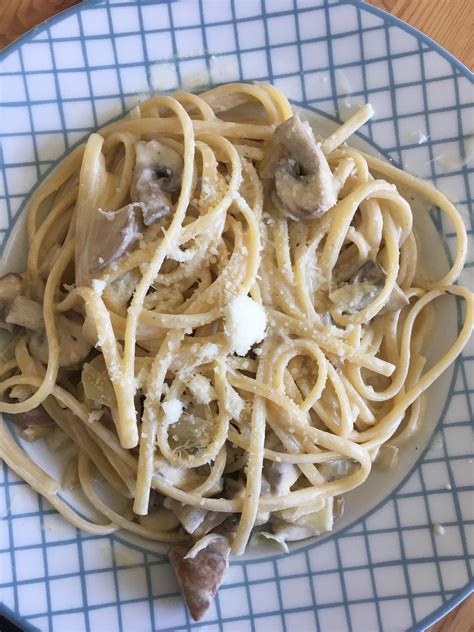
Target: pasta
(222, 321)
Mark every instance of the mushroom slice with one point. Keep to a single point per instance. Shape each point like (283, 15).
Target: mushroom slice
(281, 476)
(334, 470)
(158, 171)
(118, 293)
(361, 290)
(200, 576)
(11, 286)
(35, 417)
(190, 517)
(211, 521)
(26, 313)
(111, 236)
(304, 185)
(96, 382)
(161, 520)
(74, 348)
(195, 521)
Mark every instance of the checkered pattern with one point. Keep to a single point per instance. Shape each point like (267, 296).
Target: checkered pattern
(387, 571)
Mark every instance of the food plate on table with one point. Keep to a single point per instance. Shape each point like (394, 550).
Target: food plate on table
(236, 216)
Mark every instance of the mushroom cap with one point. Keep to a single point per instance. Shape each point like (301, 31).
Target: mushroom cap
(25, 313)
(362, 289)
(11, 286)
(113, 234)
(35, 417)
(73, 346)
(201, 576)
(304, 187)
(158, 172)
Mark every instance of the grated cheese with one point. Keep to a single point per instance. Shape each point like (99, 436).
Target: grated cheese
(201, 389)
(173, 410)
(245, 324)
(98, 286)
(234, 403)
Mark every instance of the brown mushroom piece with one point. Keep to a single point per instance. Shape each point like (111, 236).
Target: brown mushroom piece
(11, 286)
(364, 287)
(304, 187)
(111, 235)
(25, 313)
(195, 521)
(189, 517)
(158, 171)
(200, 577)
(35, 417)
(280, 476)
(73, 346)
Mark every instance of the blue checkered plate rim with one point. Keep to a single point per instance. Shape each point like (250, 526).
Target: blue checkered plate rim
(385, 568)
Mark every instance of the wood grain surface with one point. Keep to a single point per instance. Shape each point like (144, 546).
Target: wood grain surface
(448, 22)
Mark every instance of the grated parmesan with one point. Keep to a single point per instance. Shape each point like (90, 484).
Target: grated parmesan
(173, 410)
(98, 286)
(201, 389)
(234, 403)
(245, 324)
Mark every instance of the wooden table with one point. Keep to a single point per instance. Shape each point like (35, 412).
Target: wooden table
(448, 22)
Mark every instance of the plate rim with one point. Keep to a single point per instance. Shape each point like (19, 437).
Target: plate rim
(462, 593)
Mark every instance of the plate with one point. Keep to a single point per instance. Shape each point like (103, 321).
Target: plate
(385, 568)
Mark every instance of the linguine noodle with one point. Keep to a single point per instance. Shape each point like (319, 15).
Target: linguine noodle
(163, 403)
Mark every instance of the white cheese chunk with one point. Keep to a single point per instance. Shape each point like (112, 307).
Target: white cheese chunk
(173, 410)
(245, 324)
(201, 389)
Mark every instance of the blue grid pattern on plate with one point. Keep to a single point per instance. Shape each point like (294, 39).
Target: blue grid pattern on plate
(75, 73)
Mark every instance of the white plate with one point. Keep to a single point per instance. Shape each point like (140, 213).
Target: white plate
(384, 568)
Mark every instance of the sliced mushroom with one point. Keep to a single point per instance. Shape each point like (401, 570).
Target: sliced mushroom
(334, 470)
(229, 527)
(11, 286)
(190, 517)
(25, 313)
(158, 171)
(111, 236)
(96, 382)
(200, 577)
(212, 520)
(233, 488)
(73, 347)
(304, 187)
(362, 289)
(118, 293)
(281, 476)
(195, 521)
(184, 478)
(161, 520)
(35, 417)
